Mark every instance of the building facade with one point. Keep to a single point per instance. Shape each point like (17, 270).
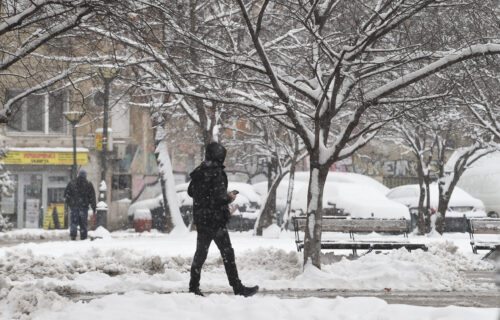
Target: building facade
(40, 157)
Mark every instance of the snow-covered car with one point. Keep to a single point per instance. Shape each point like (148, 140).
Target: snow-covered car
(357, 195)
(248, 200)
(461, 203)
(346, 177)
(245, 208)
(482, 181)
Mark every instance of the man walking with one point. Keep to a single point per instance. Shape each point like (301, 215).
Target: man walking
(79, 194)
(208, 188)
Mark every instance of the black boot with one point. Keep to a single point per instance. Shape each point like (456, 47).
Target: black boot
(241, 290)
(197, 292)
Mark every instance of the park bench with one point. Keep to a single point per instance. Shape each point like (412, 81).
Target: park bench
(352, 226)
(484, 226)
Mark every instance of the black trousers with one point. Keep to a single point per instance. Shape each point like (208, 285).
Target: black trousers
(221, 238)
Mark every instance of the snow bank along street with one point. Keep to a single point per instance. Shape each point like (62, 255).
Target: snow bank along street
(124, 274)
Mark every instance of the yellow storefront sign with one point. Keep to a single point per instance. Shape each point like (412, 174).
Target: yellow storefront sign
(44, 158)
(98, 141)
(48, 221)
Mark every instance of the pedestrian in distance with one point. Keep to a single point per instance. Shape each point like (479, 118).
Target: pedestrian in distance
(208, 188)
(79, 195)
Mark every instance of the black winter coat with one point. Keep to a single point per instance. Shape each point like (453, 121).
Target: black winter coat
(80, 193)
(208, 188)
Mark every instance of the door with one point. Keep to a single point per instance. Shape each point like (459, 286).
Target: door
(55, 215)
(31, 185)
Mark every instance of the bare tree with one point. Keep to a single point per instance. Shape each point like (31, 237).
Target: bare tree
(283, 152)
(418, 133)
(334, 72)
(479, 92)
(37, 39)
(450, 171)
(326, 66)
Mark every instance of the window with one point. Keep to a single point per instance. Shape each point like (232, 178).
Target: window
(40, 112)
(121, 187)
(403, 192)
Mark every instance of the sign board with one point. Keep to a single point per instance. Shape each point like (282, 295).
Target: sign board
(44, 158)
(98, 140)
(48, 221)
(32, 212)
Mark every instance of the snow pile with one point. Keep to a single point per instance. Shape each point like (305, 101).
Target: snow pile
(273, 231)
(100, 232)
(148, 204)
(34, 234)
(142, 214)
(131, 233)
(438, 269)
(140, 305)
(21, 302)
(124, 269)
(23, 265)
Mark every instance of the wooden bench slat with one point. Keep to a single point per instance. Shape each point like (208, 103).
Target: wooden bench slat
(370, 245)
(359, 225)
(336, 224)
(489, 226)
(484, 226)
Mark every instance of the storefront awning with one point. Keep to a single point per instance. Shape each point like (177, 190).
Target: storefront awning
(45, 156)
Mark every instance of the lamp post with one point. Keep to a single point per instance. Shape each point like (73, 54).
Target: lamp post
(107, 74)
(74, 117)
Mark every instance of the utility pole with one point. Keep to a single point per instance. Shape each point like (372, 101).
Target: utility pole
(74, 117)
(107, 74)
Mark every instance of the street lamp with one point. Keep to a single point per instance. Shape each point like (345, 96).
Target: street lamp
(107, 74)
(74, 117)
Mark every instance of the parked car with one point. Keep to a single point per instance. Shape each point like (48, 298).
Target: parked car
(353, 194)
(482, 181)
(461, 203)
(347, 177)
(245, 209)
(248, 200)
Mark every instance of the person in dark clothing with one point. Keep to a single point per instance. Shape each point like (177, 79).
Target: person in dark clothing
(208, 188)
(55, 217)
(79, 194)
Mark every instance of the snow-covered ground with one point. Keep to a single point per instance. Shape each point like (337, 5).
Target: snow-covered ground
(131, 271)
(141, 305)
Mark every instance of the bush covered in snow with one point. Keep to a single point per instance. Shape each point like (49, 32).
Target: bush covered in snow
(4, 224)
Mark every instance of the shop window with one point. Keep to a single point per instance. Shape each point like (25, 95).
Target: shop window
(38, 113)
(55, 195)
(121, 187)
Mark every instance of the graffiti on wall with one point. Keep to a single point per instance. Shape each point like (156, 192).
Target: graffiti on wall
(375, 165)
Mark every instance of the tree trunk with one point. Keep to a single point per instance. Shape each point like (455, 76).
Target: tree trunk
(427, 204)
(169, 226)
(266, 215)
(291, 181)
(173, 218)
(168, 216)
(265, 218)
(312, 237)
(421, 199)
(444, 200)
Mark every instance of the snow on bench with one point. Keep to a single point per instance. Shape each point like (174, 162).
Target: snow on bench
(484, 226)
(342, 224)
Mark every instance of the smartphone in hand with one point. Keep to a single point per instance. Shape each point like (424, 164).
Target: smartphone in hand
(235, 192)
